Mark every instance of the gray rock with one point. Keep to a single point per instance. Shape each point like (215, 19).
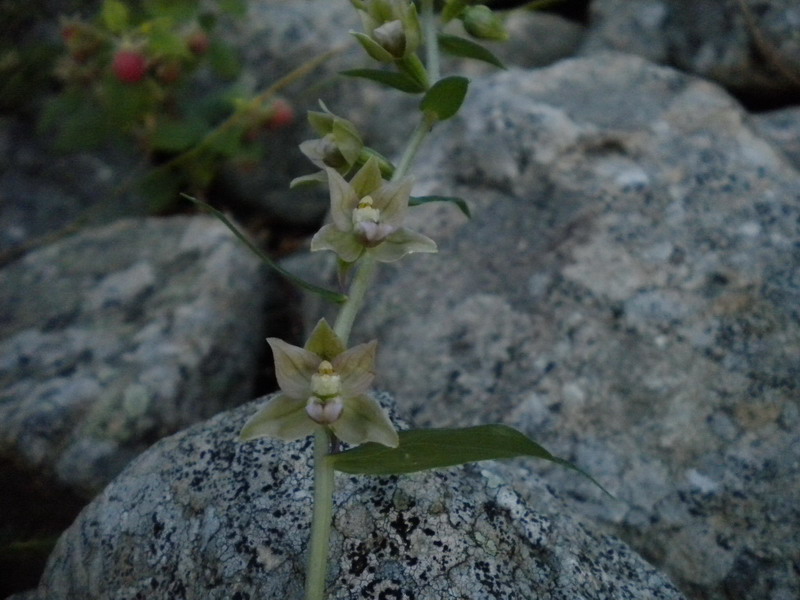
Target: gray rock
(117, 336)
(626, 293)
(749, 46)
(782, 128)
(42, 192)
(202, 516)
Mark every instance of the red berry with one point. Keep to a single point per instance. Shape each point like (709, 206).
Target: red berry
(129, 66)
(198, 42)
(282, 115)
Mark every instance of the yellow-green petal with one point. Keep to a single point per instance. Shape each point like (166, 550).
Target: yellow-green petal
(282, 418)
(345, 244)
(294, 367)
(363, 420)
(402, 242)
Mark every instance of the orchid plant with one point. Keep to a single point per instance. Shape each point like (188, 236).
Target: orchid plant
(324, 386)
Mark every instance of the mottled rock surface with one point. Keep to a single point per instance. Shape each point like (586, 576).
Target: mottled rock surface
(117, 336)
(43, 191)
(749, 46)
(782, 128)
(201, 516)
(627, 293)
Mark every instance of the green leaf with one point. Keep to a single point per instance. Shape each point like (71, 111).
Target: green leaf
(172, 135)
(115, 16)
(223, 60)
(446, 96)
(329, 295)
(398, 81)
(459, 202)
(423, 449)
(458, 46)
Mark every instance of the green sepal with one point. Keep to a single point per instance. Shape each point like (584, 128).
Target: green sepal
(329, 295)
(324, 342)
(412, 66)
(459, 202)
(459, 46)
(386, 166)
(444, 99)
(424, 449)
(398, 81)
(373, 48)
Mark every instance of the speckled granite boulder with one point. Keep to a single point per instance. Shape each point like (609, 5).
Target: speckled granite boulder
(117, 336)
(782, 128)
(201, 516)
(746, 45)
(627, 293)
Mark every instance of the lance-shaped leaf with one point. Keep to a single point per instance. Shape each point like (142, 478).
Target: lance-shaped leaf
(459, 46)
(398, 81)
(423, 449)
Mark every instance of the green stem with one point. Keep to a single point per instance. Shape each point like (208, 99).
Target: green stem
(431, 40)
(414, 144)
(355, 299)
(321, 521)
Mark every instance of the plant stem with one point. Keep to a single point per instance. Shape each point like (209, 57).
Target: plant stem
(355, 299)
(419, 135)
(431, 40)
(321, 521)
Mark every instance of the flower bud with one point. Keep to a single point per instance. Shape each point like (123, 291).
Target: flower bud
(391, 37)
(482, 23)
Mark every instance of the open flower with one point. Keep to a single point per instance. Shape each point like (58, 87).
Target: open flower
(323, 385)
(367, 216)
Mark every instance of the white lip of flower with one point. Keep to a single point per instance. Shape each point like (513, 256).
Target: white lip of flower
(367, 222)
(324, 412)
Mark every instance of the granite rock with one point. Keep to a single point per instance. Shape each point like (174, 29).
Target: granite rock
(202, 516)
(749, 46)
(782, 128)
(43, 191)
(117, 336)
(627, 294)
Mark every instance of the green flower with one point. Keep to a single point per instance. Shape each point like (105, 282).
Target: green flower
(392, 28)
(323, 385)
(368, 215)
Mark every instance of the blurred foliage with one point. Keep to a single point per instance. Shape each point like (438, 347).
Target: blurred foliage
(154, 73)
